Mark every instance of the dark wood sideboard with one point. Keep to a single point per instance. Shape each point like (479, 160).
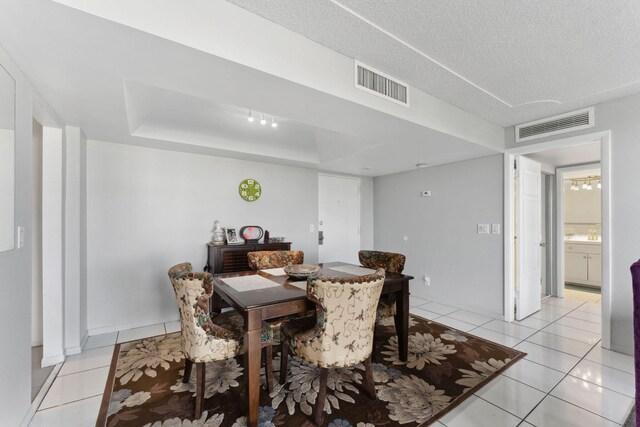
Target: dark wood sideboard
(232, 258)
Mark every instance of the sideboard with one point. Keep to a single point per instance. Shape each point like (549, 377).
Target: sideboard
(232, 258)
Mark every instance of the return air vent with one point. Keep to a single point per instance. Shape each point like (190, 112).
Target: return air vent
(378, 83)
(562, 123)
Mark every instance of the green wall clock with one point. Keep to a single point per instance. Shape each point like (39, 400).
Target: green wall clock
(250, 190)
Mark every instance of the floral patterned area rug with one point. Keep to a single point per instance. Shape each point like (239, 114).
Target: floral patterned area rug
(445, 366)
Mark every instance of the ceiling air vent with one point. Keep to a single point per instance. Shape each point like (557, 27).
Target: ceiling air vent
(377, 83)
(562, 123)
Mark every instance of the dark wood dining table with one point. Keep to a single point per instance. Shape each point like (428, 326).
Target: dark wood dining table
(273, 302)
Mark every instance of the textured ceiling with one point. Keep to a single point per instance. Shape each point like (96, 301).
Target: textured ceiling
(123, 85)
(506, 61)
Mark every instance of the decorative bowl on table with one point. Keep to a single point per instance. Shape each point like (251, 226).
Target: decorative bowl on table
(300, 271)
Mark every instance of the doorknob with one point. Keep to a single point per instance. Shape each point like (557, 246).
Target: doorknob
(320, 237)
(543, 245)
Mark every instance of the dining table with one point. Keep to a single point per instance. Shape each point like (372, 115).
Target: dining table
(270, 294)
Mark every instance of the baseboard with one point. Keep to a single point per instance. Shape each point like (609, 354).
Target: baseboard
(40, 396)
(73, 350)
(84, 339)
(52, 360)
(125, 326)
(622, 349)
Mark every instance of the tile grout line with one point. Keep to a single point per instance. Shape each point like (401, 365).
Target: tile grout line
(567, 375)
(84, 370)
(69, 402)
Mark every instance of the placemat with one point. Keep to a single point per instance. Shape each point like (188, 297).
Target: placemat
(250, 283)
(353, 269)
(301, 284)
(275, 271)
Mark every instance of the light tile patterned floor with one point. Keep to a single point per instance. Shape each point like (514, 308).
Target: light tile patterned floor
(566, 380)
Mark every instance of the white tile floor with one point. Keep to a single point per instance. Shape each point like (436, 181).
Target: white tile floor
(566, 380)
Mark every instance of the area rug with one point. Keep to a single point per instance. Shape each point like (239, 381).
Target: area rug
(445, 366)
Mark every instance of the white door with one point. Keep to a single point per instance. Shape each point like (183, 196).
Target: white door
(529, 237)
(339, 218)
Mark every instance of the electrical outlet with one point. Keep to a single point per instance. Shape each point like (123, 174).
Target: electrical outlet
(483, 228)
(427, 280)
(495, 228)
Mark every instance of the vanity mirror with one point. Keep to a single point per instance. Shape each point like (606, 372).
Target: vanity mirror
(7, 160)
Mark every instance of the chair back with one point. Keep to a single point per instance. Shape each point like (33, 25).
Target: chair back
(345, 318)
(389, 261)
(635, 276)
(202, 340)
(274, 259)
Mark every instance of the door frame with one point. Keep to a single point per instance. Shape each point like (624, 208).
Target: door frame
(559, 280)
(604, 138)
(359, 204)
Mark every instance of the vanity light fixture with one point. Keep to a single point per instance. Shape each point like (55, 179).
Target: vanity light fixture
(586, 183)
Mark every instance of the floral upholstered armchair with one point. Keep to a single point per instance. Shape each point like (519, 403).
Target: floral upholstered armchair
(204, 338)
(274, 259)
(391, 263)
(340, 334)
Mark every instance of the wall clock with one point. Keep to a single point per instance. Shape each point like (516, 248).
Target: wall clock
(250, 190)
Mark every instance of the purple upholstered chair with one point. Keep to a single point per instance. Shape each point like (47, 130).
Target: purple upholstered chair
(635, 274)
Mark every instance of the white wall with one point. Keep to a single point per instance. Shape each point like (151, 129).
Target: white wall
(15, 265)
(465, 267)
(149, 209)
(621, 118)
(582, 206)
(75, 287)
(53, 245)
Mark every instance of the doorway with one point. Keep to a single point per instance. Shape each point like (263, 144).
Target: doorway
(338, 218)
(580, 222)
(596, 142)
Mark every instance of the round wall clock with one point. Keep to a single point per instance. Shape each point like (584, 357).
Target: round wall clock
(250, 190)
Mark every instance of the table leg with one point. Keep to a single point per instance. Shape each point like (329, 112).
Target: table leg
(252, 372)
(402, 321)
(215, 304)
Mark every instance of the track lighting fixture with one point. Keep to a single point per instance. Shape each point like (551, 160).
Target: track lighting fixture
(251, 118)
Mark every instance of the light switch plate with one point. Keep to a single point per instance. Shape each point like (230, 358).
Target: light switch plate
(312, 228)
(483, 228)
(20, 233)
(495, 228)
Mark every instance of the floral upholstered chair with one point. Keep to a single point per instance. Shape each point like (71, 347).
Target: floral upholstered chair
(391, 263)
(208, 339)
(274, 259)
(340, 334)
